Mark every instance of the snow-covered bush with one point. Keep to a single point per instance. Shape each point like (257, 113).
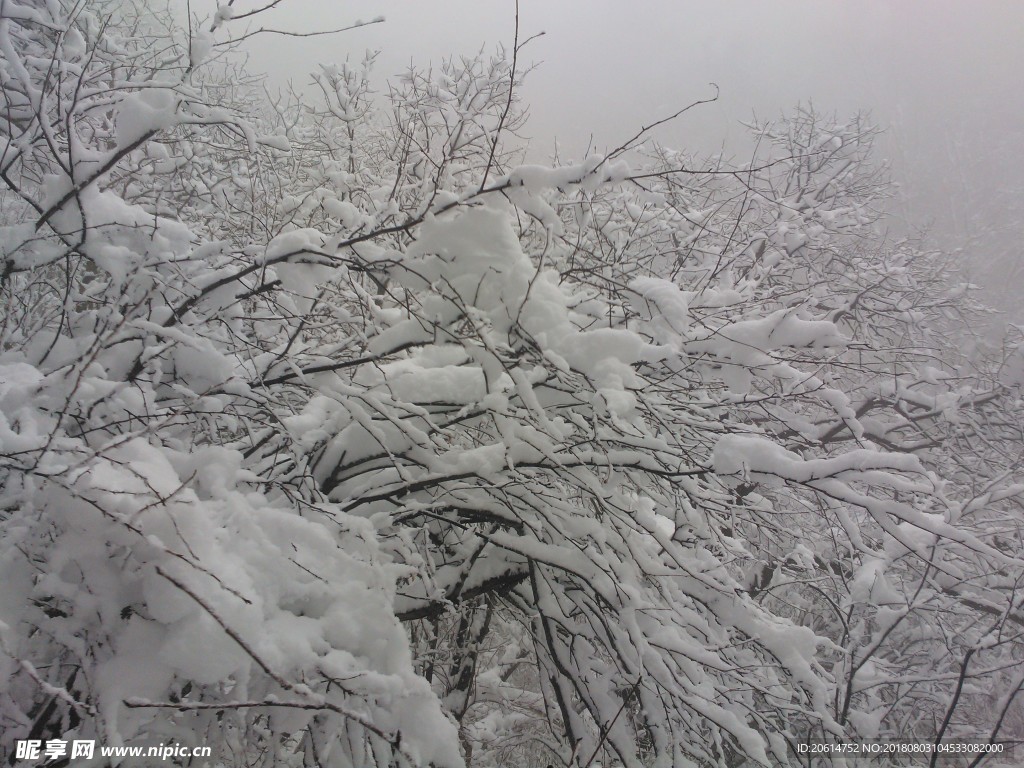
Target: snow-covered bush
(164, 581)
(278, 379)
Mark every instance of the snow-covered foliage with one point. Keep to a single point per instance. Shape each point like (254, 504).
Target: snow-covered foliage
(329, 436)
(163, 579)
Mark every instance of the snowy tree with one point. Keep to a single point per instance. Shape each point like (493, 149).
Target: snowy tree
(795, 232)
(161, 582)
(331, 436)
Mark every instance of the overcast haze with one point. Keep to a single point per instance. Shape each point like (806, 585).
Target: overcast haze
(944, 77)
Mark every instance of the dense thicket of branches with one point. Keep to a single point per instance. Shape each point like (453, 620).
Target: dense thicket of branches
(330, 436)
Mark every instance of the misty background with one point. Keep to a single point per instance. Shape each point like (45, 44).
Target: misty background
(943, 77)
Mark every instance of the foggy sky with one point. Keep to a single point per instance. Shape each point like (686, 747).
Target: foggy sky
(944, 76)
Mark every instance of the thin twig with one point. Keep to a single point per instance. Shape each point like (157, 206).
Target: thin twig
(286, 33)
(508, 103)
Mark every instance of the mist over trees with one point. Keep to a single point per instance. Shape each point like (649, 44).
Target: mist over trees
(332, 435)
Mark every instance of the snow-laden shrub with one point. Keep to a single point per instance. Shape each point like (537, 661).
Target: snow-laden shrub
(277, 380)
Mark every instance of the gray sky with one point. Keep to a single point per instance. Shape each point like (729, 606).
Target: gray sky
(944, 75)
